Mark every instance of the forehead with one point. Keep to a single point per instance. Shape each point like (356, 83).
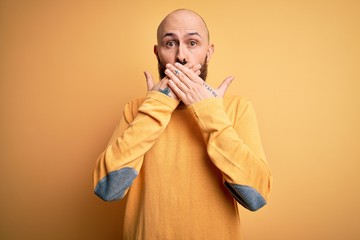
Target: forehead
(181, 23)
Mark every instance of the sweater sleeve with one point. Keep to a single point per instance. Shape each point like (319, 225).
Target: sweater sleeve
(117, 167)
(235, 148)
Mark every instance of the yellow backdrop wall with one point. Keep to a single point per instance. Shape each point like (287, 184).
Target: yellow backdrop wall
(68, 67)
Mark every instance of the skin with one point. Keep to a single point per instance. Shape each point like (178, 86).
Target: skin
(183, 47)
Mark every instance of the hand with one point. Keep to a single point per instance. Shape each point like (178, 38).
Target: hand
(162, 85)
(189, 87)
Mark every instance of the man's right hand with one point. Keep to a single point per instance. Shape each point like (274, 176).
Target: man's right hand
(161, 86)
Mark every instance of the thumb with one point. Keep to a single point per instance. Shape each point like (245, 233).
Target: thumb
(149, 80)
(225, 84)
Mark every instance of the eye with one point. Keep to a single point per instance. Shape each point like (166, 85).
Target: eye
(170, 44)
(193, 43)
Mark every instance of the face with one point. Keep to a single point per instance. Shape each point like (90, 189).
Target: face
(183, 37)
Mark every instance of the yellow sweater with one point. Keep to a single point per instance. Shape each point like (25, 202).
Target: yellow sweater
(184, 170)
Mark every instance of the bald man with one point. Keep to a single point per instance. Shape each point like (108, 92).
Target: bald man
(186, 156)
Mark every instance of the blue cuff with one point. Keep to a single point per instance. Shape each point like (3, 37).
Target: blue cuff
(114, 185)
(246, 196)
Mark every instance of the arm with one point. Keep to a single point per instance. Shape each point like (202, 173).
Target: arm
(234, 146)
(120, 163)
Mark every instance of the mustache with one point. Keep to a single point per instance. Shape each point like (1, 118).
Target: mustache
(183, 62)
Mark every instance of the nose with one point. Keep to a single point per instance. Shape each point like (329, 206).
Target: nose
(181, 55)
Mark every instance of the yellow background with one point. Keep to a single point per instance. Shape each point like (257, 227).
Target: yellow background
(68, 67)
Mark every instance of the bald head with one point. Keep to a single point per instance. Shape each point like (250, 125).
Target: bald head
(183, 37)
(183, 19)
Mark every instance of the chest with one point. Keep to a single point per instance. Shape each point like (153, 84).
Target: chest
(180, 151)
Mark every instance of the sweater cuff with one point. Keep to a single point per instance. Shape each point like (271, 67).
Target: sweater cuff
(206, 104)
(163, 99)
(209, 113)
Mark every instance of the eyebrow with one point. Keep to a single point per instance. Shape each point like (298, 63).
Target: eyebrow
(173, 34)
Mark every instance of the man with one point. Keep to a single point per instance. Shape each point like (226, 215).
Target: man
(186, 156)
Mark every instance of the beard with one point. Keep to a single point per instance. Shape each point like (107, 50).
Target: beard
(203, 70)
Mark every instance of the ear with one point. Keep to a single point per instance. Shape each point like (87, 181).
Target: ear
(210, 52)
(156, 50)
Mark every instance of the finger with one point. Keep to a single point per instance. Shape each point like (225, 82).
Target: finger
(189, 73)
(149, 80)
(177, 77)
(196, 69)
(175, 88)
(225, 84)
